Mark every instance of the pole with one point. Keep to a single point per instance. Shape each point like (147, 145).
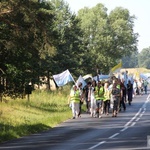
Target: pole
(97, 71)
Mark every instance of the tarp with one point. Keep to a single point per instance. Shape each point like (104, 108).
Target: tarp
(87, 76)
(101, 77)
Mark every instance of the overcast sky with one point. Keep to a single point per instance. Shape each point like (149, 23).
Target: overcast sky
(139, 8)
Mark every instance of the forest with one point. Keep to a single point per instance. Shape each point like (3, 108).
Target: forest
(40, 38)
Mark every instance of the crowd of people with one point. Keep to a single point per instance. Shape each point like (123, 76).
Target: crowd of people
(104, 97)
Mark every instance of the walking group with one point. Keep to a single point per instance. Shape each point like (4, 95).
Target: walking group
(102, 97)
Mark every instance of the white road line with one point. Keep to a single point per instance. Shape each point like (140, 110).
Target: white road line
(126, 126)
(133, 124)
(141, 115)
(137, 119)
(113, 135)
(138, 113)
(148, 97)
(124, 129)
(100, 143)
(144, 105)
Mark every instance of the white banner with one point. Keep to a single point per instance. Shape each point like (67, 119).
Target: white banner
(81, 80)
(63, 78)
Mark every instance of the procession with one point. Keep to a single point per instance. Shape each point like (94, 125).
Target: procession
(103, 94)
(104, 97)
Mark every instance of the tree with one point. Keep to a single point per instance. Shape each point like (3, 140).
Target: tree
(69, 45)
(107, 38)
(143, 58)
(125, 40)
(131, 61)
(27, 37)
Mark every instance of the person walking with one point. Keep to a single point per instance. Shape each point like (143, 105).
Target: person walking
(135, 88)
(140, 87)
(116, 98)
(145, 86)
(99, 96)
(74, 99)
(87, 96)
(92, 99)
(106, 98)
(81, 96)
(130, 91)
(123, 95)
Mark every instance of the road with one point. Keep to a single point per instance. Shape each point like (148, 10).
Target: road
(129, 131)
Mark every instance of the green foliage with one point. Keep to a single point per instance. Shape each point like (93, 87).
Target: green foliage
(107, 38)
(93, 24)
(122, 26)
(27, 37)
(69, 46)
(143, 58)
(41, 38)
(131, 61)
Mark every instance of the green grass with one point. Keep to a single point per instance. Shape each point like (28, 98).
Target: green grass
(45, 110)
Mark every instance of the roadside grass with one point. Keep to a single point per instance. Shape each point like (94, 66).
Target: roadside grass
(45, 110)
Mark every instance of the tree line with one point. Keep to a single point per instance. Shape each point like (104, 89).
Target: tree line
(42, 38)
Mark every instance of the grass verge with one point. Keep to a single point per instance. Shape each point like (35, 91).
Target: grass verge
(45, 110)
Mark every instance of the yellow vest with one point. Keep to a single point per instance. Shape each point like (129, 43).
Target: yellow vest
(99, 95)
(118, 86)
(75, 96)
(107, 95)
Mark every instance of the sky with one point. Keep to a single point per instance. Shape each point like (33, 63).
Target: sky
(139, 8)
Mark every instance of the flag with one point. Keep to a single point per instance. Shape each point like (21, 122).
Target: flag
(63, 78)
(137, 75)
(116, 68)
(81, 80)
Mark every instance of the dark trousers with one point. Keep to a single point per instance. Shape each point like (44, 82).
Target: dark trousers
(122, 103)
(115, 106)
(145, 89)
(87, 104)
(106, 106)
(80, 107)
(130, 96)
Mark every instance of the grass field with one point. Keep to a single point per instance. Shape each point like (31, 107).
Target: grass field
(44, 111)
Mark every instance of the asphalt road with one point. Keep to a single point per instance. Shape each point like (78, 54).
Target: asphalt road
(129, 131)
